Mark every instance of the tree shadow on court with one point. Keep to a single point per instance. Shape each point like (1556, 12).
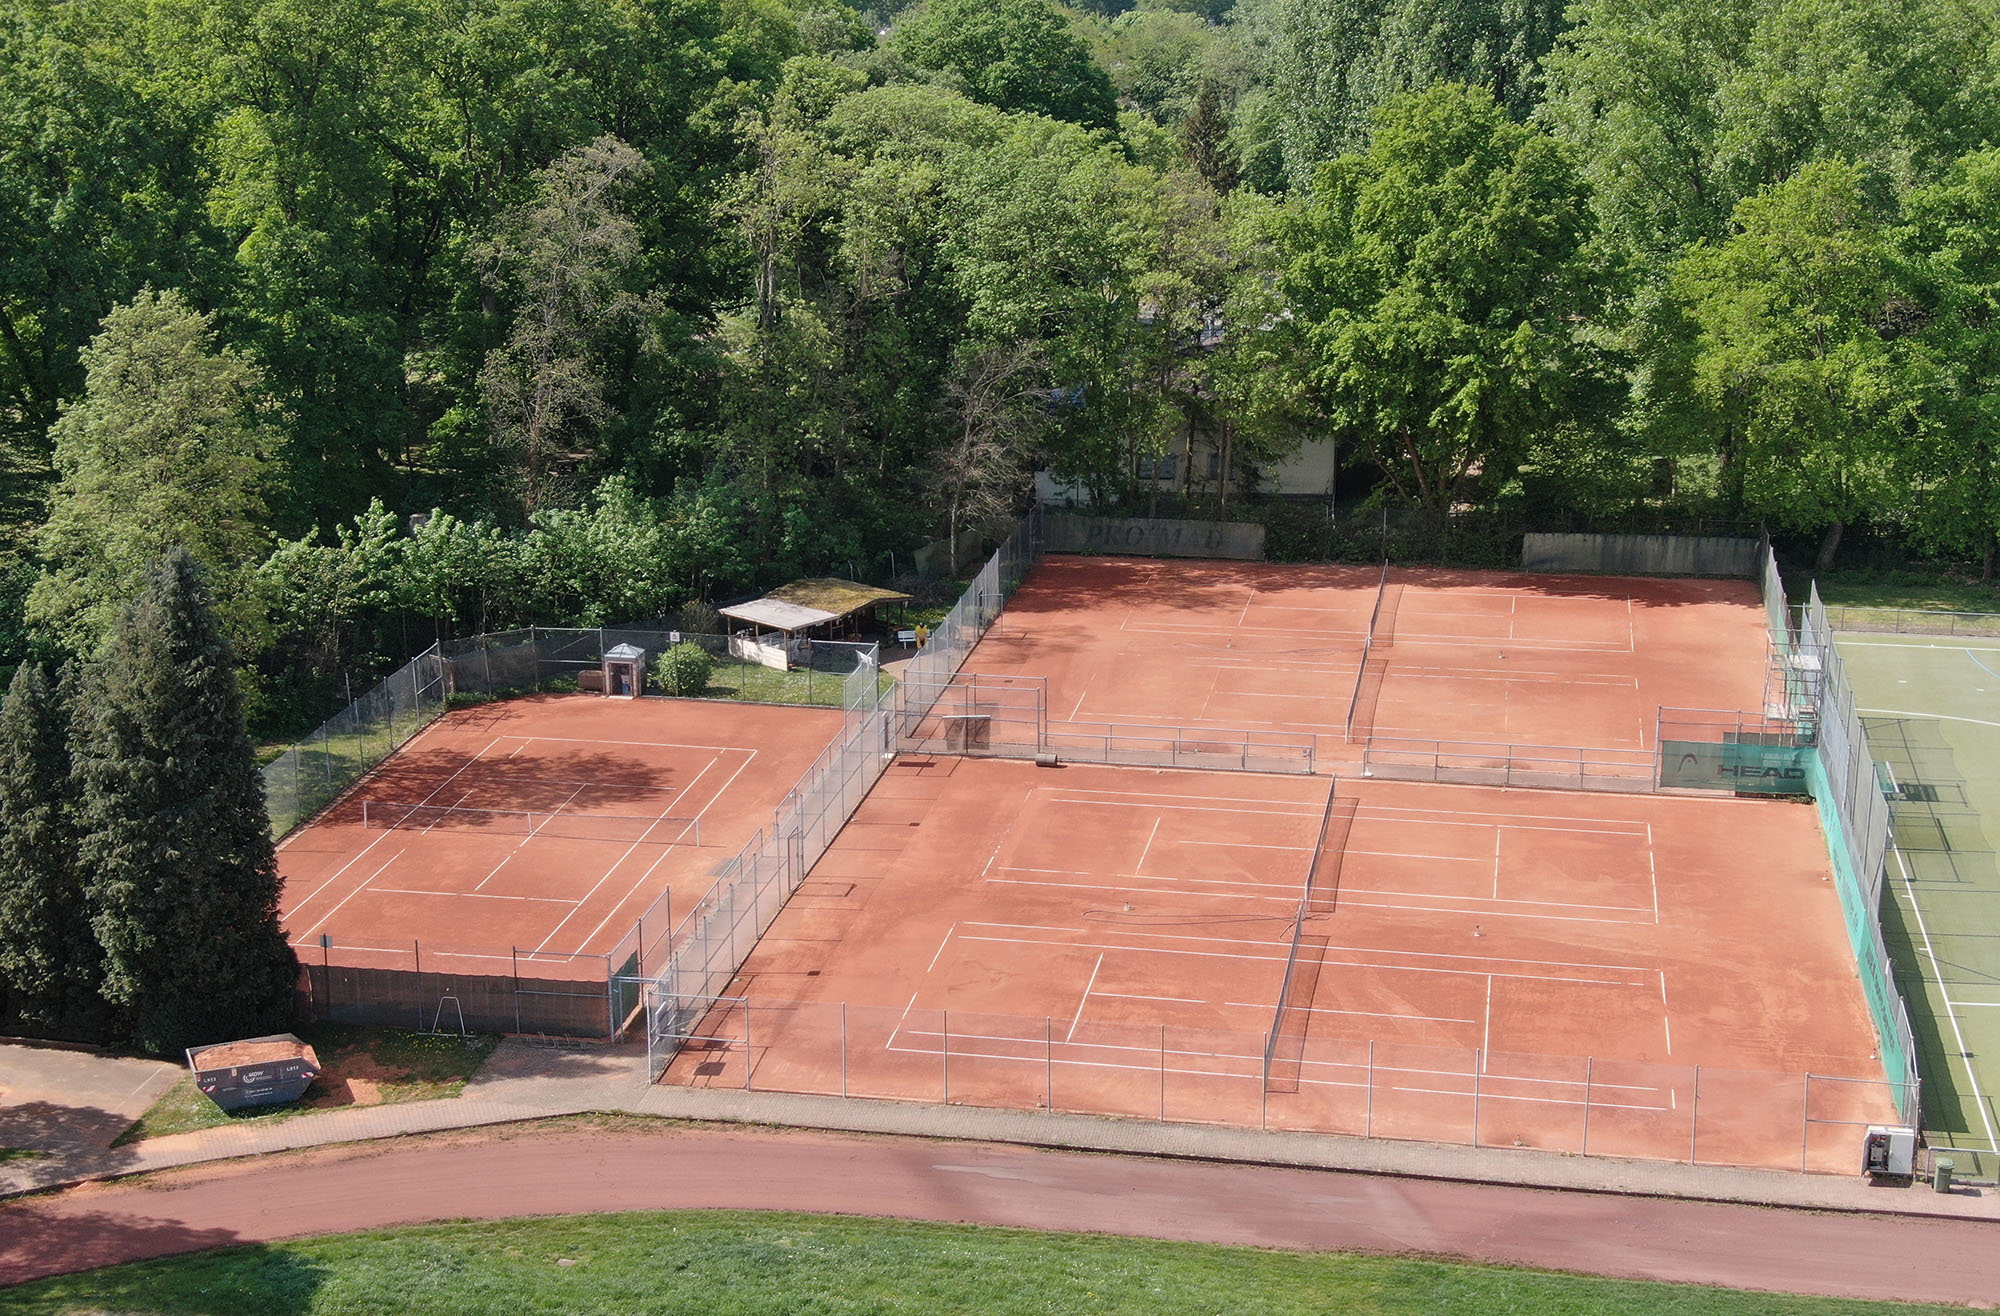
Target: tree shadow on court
(578, 778)
(1651, 591)
(1084, 584)
(38, 1242)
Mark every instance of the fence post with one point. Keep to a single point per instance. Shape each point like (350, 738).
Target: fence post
(1370, 1125)
(1163, 1072)
(1694, 1119)
(748, 1063)
(514, 956)
(1805, 1124)
(843, 1048)
(1589, 1068)
(944, 1024)
(1048, 1063)
(417, 948)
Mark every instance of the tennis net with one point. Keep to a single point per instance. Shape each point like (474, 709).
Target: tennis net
(387, 815)
(1367, 648)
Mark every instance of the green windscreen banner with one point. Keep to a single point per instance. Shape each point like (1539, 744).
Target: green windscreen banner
(1709, 765)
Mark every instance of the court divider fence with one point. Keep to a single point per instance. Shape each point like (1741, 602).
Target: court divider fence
(1846, 784)
(1569, 1104)
(1478, 763)
(711, 945)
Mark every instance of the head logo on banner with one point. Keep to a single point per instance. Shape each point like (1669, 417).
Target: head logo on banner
(1734, 766)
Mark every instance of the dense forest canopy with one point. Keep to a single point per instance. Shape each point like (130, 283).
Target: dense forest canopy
(407, 317)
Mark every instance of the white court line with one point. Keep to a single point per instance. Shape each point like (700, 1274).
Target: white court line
(1305, 807)
(1290, 889)
(1508, 913)
(1646, 969)
(386, 832)
(1951, 1011)
(1184, 808)
(1665, 1020)
(1497, 900)
(1846, 643)
(715, 756)
(1411, 854)
(355, 892)
(1368, 1014)
(942, 943)
(468, 895)
(481, 886)
(1178, 1000)
(1250, 845)
(1653, 875)
(1275, 958)
(1140, 866)
(1486, 1040)
(1941, 717)
(1498, 832)
(1078, 1018)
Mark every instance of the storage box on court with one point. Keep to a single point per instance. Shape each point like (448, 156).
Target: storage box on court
(256, 1071)
(625, 671)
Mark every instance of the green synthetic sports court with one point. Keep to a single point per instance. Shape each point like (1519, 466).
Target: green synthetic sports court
(1931, 706)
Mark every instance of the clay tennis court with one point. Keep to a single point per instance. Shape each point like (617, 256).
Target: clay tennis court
(1538, 968)
(534, 833)
(1504, 657)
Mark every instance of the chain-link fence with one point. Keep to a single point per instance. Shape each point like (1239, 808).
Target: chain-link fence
(313, 773)
(1575, 1105)
(1912, 621)
(545, 658)
(1475, 763)
(966, 624)
(1847, 785)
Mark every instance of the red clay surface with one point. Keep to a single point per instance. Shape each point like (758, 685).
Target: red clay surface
(1860, 1256)
(474, 888)
(1506, 967)
(1505, 657)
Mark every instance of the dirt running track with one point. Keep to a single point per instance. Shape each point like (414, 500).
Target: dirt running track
(570, 1170)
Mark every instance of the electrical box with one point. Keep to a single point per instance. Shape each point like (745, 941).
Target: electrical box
(1889, 1150)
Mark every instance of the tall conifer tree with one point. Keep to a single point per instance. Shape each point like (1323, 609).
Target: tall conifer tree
(49, 956)
(177, 848)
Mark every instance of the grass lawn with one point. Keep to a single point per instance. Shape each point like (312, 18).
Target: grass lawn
(735, 1263)
(1862, 591)
(362, 1066)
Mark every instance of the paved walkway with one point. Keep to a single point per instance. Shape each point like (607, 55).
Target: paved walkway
(651, 1165)
(522, 1082)
(72, 1101)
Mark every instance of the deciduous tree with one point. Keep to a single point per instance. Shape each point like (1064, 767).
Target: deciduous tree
(1439, 281)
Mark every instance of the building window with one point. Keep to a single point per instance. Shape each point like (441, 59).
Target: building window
(1156, 468)
(1214, 465)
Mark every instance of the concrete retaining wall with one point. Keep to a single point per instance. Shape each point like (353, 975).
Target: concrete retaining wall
(1141, 537)
(1640, 555)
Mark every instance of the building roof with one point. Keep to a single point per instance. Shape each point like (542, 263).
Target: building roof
(804, 604)
(624, 652)
(778, 615)
(834, 595)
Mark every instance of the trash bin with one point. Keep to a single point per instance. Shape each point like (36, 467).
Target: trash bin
(1941, 1168)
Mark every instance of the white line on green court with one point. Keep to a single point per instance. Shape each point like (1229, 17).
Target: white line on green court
(1950, 1010)
(1897, 644)
(1940, 717)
